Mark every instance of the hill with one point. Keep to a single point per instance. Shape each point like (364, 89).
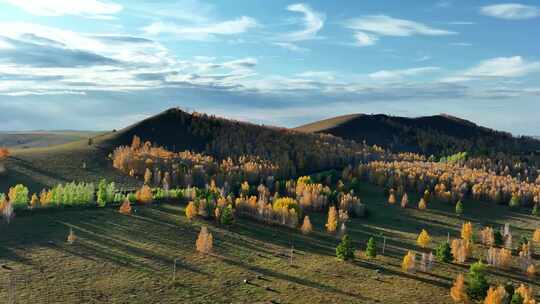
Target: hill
(438, 134)
(177, 130)
(39, 139)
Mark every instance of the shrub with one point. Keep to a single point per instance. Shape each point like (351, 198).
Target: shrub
(345, 249)
(18, 196)
(423, 239)
(444, 253)
(477, 282)
(459, 208)
(371, 249)
(227, 216)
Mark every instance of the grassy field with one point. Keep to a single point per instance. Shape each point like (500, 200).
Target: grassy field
(37, 139)
(129, 259)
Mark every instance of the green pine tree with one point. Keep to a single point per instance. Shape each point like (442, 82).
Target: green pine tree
(227, 217)
(371, 249)
(514, 202)
(443, 252)
(345, 249)
(477, 284)
(102, 193)
(517, 299)
(459, 208)
(498, 238)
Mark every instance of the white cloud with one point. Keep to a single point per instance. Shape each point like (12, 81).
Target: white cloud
(387, 26)
(291, 47)
(313, 23)
(87, 8)
(461, 44)
(394, 75)
(510, 11)
(503, 67)
(364, 39)
(202, 32)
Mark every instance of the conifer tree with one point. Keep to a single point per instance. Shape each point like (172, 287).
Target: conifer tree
(516, 298)
(526, 293)
(71, 237)
(144, 195)
(331, 224)
(459, 208)
(444, 253)
(204, 241)
(371, 248)
(535, 210)
(458, 292)
(409, 261)
(404, 201)
(306, 226)
(422, 204)
(467, 231)
(102, 193)
(514, 201)
(423, 239)
(477, 284)
(227, 216)
(125, 208)
(345, 249)
(191, 210)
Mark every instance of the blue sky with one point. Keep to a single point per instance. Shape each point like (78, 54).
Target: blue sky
(99, 64)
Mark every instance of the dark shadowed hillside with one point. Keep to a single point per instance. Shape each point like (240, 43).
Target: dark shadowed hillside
(438, 134)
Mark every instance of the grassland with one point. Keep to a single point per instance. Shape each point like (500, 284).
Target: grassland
(38, 139)
(129, 259)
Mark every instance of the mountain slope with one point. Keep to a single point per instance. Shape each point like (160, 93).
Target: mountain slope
(438, 134)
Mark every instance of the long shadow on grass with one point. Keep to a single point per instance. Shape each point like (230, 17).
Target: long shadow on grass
(292, 279)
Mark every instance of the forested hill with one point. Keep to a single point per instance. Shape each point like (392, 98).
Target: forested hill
(437, 135)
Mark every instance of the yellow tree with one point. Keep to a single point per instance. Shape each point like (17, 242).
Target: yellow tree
(408, 263)
(306, 225)
(467, 231)
(392, 198)
(34, 201)
(536, 236)
(496, 295)
(125, 208)
(531, 271)
(191, 210)
(458, 292)
(422, 204)
(144, 195)
(526, 293)
(147, 176)
(423, 239)
(331, 224)
(205, 241)
(71, 237)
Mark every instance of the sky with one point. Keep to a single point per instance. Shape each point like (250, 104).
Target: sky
(100, 64)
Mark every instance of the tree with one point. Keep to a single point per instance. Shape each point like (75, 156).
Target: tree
(71, 237)
(331, 224)
(205, 241)
(444, 253)
(422, 204)
(458, 292)
(516, 298)
(459, 208)
(392, 198)
(526, 293)
(467, 231)
(371, 249)
(125, 208)
(147, 176)
(144, 195)
(7, 211)
(498, 238)
(408, 263)
(535, 210)
(404, 201)
(423, 239)
(536, 236)
(345, 249)
(102, 193)
(4, 153)
(531, 271)
(477, 282)
(191, 210)
(18, 196)
(34, 201)
(306, 226)
(514, 201)
(496, 295)
(227, 216)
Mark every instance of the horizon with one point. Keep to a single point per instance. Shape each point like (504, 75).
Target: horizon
(103, 65)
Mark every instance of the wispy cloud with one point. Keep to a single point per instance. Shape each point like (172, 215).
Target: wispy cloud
(202, 32)
(86, 8)
(393, 75)
(313, 23)
(499, 67)
(511, 11)
(368, 28)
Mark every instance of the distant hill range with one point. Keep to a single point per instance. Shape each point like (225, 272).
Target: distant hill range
(438, 135)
